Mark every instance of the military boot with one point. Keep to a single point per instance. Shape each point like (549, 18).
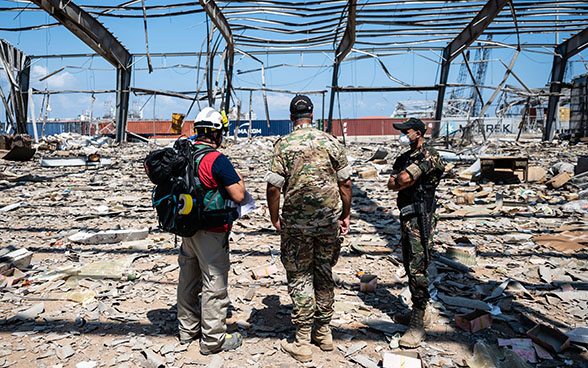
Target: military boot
(322, 336)
(300, 349)
(402, 318)
(416, 331)
(431, 315)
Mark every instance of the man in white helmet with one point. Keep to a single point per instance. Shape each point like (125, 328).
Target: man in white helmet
(204, 257)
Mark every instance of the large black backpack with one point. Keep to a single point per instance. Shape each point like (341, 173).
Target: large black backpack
(179, 202)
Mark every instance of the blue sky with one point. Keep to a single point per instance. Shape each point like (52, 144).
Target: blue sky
(187, 33)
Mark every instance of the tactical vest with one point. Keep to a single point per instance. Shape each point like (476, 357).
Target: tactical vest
(421, 191)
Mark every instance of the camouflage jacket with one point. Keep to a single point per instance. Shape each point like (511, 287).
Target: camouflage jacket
(306, 165)
(425, 166)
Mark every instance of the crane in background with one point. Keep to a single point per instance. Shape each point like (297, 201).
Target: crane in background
(464, 100)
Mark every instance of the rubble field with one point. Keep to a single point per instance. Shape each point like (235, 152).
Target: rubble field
(90, 281)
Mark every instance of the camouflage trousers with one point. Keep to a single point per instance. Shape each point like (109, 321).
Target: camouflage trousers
(308, 260)
(416, 258)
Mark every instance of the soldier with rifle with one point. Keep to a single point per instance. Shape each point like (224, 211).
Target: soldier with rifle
(415, 176)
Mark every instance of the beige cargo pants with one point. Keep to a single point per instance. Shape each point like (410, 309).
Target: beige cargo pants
(204, 268)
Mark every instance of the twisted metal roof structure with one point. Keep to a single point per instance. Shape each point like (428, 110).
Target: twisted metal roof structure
(348, 30)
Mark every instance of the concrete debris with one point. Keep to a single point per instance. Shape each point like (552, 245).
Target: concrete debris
(577, 206)
(365, 361)
(73, 142)
(99, 285)
(64, 352)
(355, 348)
(250, 294)
(450, 156)
(90, 364)
(152, 360)
(31, 313)
(75, 161)
(13, 206)
(20, 258)
(83, 297)
(109, 236)
(144, 244)
(216, 362)
(561, 167)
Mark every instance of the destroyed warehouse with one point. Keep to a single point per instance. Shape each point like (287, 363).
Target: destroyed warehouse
(88, 89)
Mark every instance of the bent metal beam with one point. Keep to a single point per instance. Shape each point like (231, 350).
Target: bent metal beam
(342, 50)
(466, 37)
(563, 52)
(99, 39)
(14, 61)
(223, 26)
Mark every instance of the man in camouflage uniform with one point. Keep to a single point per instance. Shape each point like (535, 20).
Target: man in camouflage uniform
(310, 167)
(415, 175)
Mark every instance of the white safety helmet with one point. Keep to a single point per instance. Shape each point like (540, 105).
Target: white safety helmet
(211, 119)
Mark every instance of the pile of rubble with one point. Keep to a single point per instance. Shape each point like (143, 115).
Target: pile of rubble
(90, 281)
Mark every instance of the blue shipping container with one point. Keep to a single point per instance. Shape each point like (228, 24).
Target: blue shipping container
(260, 128)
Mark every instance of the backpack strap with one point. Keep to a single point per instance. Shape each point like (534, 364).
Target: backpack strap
(198, 155)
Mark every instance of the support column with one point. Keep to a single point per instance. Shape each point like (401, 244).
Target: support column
(342, 50)
(123, 81)
(563, 52)
(16, 66)
(441, 94)
(229, 78)
(332, 98)
(465, 38)
(219, 20)
(90, 31)
(24, 77)
(557, 74)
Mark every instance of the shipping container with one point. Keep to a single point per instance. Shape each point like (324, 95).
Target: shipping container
(372, 126)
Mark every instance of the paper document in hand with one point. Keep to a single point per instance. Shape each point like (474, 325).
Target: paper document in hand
(247, 205)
